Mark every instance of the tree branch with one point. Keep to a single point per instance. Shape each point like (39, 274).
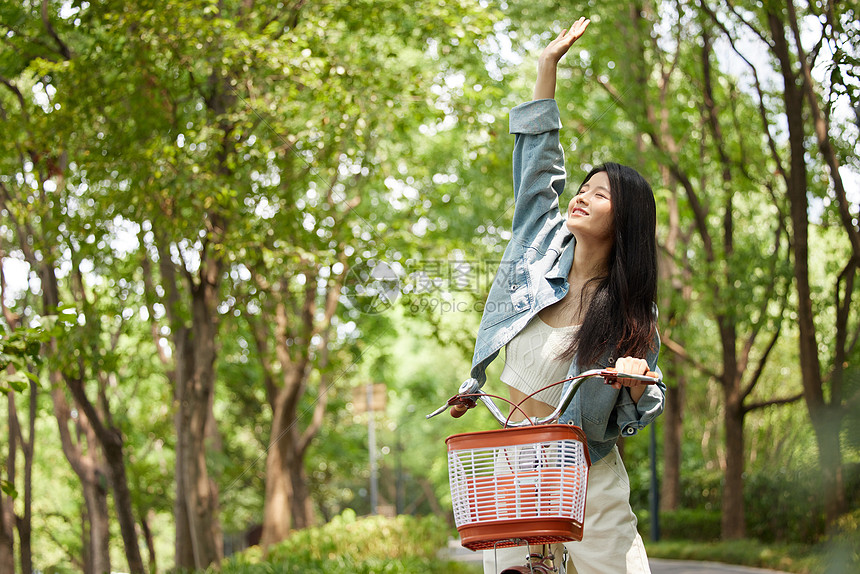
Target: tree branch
(324, 329)
(766, 123)
(699, 210)
(46, 21)
(762, 311)
(752, 28)
(168, 279)
(773, 403)
(761, 363)
(18, 96)
(843, 311)
(261, 334)
(681, 352)
(149, 298)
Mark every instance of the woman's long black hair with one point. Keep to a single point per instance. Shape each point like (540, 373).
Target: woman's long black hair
(620, 320)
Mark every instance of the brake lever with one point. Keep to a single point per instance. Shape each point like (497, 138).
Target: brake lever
(459, 405)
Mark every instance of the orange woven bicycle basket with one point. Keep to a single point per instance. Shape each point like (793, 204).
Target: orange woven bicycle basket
(515, 486)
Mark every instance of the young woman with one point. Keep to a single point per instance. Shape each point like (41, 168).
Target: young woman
(576, 291)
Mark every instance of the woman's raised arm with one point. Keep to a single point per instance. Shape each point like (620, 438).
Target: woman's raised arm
(549, 58)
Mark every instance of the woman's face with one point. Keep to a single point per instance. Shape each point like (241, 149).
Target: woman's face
(589, 213)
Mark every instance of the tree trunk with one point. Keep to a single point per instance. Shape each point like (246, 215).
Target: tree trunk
(111, 442)
(827, 436)
(198, 538)
(122, 503)
(87, 464)
(670, 488)
(150, 543)
(733, 525)
(9, 521)
(7, 535)
(672, 274)
(821, 128)
(276, 507)
(301, 504)
(95, 498)
(198, 541)
(7, 508)
(733, 516)
(24, 523)
(287, 504)
(85, 461)
(288, 501)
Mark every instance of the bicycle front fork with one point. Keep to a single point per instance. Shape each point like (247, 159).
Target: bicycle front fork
(540, 563)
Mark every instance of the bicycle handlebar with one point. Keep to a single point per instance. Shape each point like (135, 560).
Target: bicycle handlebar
(470, 393)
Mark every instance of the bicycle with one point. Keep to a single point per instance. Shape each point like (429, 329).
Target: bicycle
(523, 484)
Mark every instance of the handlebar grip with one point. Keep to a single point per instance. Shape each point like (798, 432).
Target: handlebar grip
(651, 374)
(458, 410)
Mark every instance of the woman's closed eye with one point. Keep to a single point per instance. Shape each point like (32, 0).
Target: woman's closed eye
(600, 193)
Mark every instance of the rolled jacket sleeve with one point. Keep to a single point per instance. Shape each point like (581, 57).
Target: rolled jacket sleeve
(535, 117)
(633, 417)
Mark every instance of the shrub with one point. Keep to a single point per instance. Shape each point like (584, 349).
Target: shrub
(351, 545)
(784, 505)
(684, 524)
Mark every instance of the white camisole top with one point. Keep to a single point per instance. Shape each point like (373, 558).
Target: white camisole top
(531, 360)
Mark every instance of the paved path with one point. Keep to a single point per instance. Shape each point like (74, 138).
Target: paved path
(658, 565)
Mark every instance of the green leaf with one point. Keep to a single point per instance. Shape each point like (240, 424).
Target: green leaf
(8, 489)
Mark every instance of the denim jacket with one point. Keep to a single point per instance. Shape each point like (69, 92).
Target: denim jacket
(533, 275)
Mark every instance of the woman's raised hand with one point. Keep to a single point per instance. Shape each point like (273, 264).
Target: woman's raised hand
(562, 43)
(549, 58)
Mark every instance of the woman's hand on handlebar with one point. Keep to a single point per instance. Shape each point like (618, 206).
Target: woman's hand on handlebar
(632, 366)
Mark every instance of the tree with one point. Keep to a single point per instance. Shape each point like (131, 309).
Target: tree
(42, 238)
(809, 107)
